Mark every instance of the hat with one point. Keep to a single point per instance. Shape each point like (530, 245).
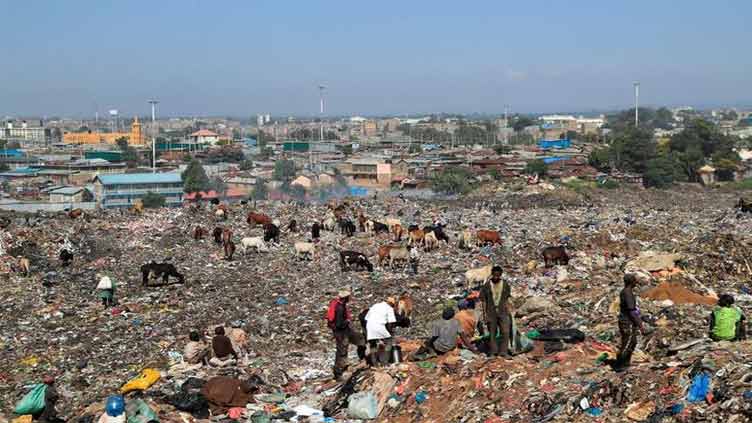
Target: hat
(344, 293)
(48, 380)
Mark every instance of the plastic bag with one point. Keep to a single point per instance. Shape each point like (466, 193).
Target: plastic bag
(699, 388)
(193, 403)
(362, 405)
(140, 412)
(32, 402)
(147, 378)
(104, 283)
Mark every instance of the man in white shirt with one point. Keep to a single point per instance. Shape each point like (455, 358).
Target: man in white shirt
(380, 322)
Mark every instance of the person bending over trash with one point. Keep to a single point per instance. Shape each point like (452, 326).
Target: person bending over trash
(444, 335)
(48, 414)
(727, 322)
(196, 351)
(495, 297)
(224, 354)
(380, 321)
(106, 288)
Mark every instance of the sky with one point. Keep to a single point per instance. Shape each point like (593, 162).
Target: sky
(239, 58)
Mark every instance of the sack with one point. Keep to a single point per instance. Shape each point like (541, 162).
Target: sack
(147, 378)
(362, 405)
(195, 404)
(104, 283)
(32, 402)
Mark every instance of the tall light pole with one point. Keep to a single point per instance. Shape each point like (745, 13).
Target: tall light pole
(321, 123)
(153, 135)
(637, 104)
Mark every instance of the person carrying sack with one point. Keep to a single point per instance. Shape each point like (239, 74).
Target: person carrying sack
(106, 288)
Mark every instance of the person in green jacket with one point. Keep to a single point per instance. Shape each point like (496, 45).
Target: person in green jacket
(727, 322)
(106, 294)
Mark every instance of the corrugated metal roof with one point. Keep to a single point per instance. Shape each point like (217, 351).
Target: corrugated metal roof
(67, 191)
(140, 178)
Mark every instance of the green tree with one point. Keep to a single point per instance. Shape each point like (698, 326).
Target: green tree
(536, 167)
(260, 191)
(660, 172)
(297, 192)
(414, 148)
(346, 149)
(218, 185)
(502, 149)
(284, 170)
(152, 200)
(4, 167)
(246, 165)
(194, 178)
(631, 149)
(339, 178)
(701, 141)
(521, 122)
(453, 180)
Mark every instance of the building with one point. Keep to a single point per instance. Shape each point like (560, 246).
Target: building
(587, 126)
(123, 189)
(375, 173)
(25, 134)
(303, 181)
(67, 195)
(204, 136)
(368, 128)
(135, 137)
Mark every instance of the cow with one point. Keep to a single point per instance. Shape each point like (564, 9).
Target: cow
(199, 233)
(555, 255)
(466, 240)
(214, 201)
(229, 248)
(226, 235)
(347, 227)
(315, 231)
(354, 258)
(398, 232)
(430, 241)
(305, 248)
(217, 234)
(329, 223)
(138, 207)
(413, 227)
(253, 242)
(66, 257)
(438, 230)
(399, 254)
(391, 222)
(379, 227)
(75, 213)
(369, 224)
(479, 274)
(744, 206)
(271, 233)
(292, 226)
(220, 214)
(22, 266)
(257, 219)
(362, 222)
(165, 270)
(416, 237)
(383, 252)
(487, 237)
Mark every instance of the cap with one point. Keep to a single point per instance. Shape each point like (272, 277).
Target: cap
(344, 293)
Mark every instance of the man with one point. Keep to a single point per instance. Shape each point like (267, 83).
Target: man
(727, 323)
(48, 414)
(495, 296)
(196, 351)
(629, 323)
(380, 321)
(224, 353)
(339, 321)
(467, 320)
(444, 334)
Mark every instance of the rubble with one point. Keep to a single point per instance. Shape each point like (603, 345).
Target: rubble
(53, 323)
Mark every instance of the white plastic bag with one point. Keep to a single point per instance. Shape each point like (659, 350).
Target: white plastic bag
(104, 283)
(362, 405)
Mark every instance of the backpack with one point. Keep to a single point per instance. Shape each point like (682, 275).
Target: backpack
(331, 313)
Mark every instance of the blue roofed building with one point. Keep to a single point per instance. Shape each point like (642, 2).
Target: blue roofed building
(122, 190)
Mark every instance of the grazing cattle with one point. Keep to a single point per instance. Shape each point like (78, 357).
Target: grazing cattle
(744, 206)
(75, 213)
(315, 231)
(305, 248)
(22, 266)
(66, 257)
(292, 226)
(466, 240)
(354, 258)
(226, 235)
(258, 219)
(391, 222)
(220, 214)
(243, 202)
(400, 254)
(347, 227)
(138, 207)
(253, 242)
(479, 274)
(369, 226)
(555, 255)
(329, 223)
(430, 241)
(384, 252)
(362, 222)
(438, 230)
(398, 232)
(165, 270)
(229, 248)
(217, 234)
(416, 237)
(199, 233)
(214, 201)
(271, 233)
(487, 237)
(379, 227)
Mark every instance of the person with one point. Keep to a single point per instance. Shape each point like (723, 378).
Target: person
(630, 323)
(444, 334)
(315, 231)
(467, 319)
(48, 413)
(495, 297)
(196, 351)
(727, 322)
(380, 321)
(106, 290)
(224, 353)
(344, 335)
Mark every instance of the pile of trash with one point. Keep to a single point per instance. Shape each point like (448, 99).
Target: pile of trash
(687, 249)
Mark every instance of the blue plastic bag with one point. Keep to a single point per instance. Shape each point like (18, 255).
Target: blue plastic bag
(699, 388)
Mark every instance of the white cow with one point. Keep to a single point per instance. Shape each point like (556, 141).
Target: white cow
(307, 248)
(256, 242)
(479, 274)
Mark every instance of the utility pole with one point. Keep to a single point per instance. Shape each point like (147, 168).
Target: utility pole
(506, 124)
(153, 135)
(321, 123)
(637, 104)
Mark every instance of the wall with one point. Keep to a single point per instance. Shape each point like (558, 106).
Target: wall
(48, 207)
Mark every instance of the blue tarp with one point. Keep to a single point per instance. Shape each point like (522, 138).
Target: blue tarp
(358, 191)
(563, 143)
(549, 160)
(11, 153)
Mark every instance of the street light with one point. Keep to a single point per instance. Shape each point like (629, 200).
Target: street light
(153, 135)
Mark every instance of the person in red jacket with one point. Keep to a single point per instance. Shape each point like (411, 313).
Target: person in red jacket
(339, 320)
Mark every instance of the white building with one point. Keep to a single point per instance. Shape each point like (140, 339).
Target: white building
(204, 136)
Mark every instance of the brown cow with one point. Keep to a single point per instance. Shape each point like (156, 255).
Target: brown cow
(416, 237)
(226, 235)
(199, 233)
(398, 232)
(229, 248)
(384, 252)
(361, 222)
(217, 234)
(487, 237)
(258, 219)
(75, 213)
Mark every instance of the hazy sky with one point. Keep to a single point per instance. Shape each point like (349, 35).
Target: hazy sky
(244, 57)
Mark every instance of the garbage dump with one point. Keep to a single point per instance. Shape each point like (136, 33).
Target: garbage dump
(687, 249)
